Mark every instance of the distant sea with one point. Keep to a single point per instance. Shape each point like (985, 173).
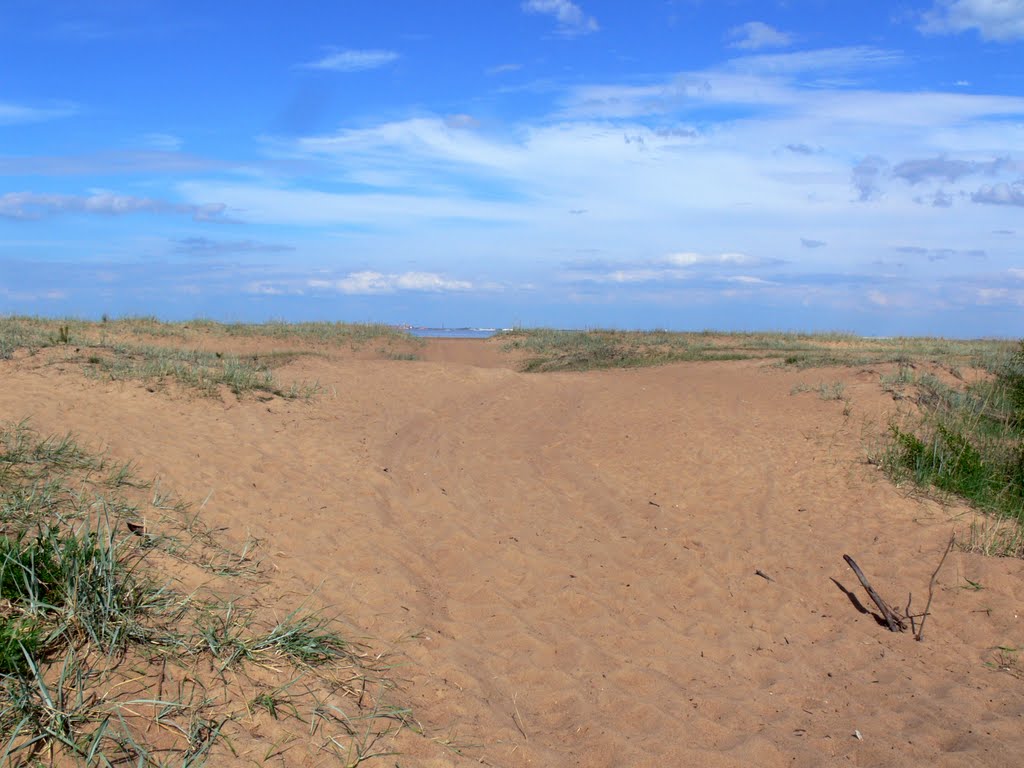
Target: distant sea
(454, 333)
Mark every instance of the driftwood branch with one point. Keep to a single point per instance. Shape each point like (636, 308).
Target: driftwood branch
(892, 619)
(931, 586)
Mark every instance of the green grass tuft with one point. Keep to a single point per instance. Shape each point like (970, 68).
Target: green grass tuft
(89, 629)
(968, 442)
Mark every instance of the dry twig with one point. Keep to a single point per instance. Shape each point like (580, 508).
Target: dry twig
(892, 619)
(931, 587)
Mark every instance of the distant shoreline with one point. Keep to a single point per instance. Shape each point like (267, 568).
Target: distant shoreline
(454, 333)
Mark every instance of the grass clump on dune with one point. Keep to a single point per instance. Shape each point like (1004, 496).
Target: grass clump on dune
(104, 661)
(324, 332)
(552, 350)
(107, 350)
(969, 442)
(203, 371)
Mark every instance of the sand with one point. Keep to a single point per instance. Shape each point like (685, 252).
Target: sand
(566, 564)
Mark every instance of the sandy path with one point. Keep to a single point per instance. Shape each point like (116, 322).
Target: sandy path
(579, 551)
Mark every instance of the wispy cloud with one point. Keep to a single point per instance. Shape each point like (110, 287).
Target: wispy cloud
(937, 199)
(32, 296)
(924, 169)
(807, 242)
(802, 82)
(866, 177)
(14, 114)
(1000, 20)
(361, 283)
(259, 203)
(803, 149)
(940, 254)
(501, 69)
(31, 206)
(205, 246)
(351, 60)
(163, 142)
(755, 35)
(572, 20)
(673, 267)
(816, 61)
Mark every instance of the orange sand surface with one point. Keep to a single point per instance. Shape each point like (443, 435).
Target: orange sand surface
(565, 563)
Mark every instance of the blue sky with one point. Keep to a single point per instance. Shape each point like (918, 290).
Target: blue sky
(801, 165)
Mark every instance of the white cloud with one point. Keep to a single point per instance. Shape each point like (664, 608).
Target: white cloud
(362, 283)
(571, 19)
(431, 194)
(369, 282)
(353, 60)
(532, 174)
(879, 299)
(29, 206)
(638, 275)
(755, 35)
(407, 142)
(1001, 194)
(270, 288)
(1000, 20)
(993, 295)
(688, 259)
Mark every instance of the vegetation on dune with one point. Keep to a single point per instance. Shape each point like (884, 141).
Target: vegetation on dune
(114, 349)
(103, 661)
(552, 350)
(969, 441)
(203, 371)
(326, 332)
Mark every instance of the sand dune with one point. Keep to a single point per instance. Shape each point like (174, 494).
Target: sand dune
(567, 562)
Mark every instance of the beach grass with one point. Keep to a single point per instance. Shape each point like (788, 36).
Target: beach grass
(555, 350)
(967, 441)
(106, 660)
(196, 354)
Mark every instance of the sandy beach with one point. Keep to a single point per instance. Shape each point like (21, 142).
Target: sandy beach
(637, 567)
